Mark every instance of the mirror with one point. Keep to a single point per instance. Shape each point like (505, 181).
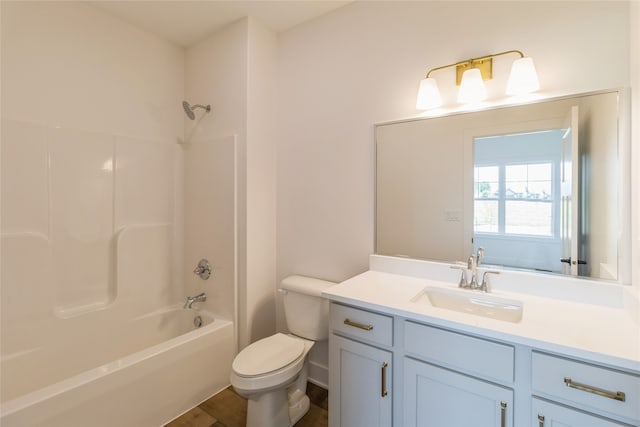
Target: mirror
(537, 186)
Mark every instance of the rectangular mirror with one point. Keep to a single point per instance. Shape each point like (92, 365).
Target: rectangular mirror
(538, 186)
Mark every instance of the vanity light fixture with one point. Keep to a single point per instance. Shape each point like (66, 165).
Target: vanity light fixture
(470, 74)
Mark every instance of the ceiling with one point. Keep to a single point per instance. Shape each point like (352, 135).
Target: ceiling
(186, 22)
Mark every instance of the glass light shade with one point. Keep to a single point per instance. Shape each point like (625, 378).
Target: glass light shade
(523, 78)
(472, 87)
(428, 94)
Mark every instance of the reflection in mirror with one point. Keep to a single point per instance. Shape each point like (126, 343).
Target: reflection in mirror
(537, 186)
(517, 199)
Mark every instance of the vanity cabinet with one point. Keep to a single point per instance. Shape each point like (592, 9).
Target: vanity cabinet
(361, 368)
(449, 377)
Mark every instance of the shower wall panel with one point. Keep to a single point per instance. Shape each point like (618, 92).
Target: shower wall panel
(210, 206)
(81, 219)
(87, 219)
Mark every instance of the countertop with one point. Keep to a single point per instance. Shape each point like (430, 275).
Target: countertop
(602, 324)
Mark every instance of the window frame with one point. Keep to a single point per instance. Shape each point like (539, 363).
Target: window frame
(502, 199)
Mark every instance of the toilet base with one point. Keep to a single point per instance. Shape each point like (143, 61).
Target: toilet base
(298, 409)
(271, 407)
(280, 407)
(277, 407)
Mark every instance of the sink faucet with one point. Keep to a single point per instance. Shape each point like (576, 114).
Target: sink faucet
(198, 298)
(472, 265)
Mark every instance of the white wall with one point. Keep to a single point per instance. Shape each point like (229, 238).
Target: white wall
(215, 74)
(261, 182)
(90, 160)
(69, 65)
(234, 70)
(634, 24)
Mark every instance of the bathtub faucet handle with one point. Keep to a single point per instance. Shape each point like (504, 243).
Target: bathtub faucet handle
(203, 269)
(198, 298)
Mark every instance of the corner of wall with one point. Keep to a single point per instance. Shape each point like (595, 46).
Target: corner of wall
(634, 73)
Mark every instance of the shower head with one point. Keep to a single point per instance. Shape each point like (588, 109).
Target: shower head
(188, 109)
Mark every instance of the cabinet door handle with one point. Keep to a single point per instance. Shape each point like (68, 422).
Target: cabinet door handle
(615, 395)
(503, 414)
(358, 325)
(540, 420)
(383, 391)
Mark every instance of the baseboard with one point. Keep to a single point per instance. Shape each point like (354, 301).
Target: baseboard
(318, 375)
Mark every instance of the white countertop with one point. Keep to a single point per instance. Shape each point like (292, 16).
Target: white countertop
(601, 324)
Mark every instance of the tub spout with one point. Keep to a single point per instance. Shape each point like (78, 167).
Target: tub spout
(198, 298)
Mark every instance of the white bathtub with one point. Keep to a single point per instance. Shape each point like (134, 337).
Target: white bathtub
(143, 372)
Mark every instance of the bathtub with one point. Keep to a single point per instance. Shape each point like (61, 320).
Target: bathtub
(159, 365)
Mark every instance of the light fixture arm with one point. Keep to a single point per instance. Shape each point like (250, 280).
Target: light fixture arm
(484, 63)
(523, 80)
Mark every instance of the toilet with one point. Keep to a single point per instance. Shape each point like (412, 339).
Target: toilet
(272, 372)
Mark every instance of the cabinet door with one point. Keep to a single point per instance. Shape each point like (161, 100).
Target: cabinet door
(437, 397)
(360, 380)
(547, 414)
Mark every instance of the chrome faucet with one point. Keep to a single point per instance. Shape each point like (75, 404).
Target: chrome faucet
(198, 298)
(472, 265)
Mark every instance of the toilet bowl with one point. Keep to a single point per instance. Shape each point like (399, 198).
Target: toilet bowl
(272, 372)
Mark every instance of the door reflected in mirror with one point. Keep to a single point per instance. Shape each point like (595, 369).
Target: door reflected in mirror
(517, 199)
(537, 186)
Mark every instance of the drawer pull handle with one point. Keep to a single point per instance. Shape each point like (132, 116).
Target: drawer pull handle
(540, 420)
(383, 391)
(615, 395)
(503, 414)
(358, 325)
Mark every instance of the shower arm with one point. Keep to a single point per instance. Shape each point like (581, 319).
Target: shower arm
(206, 107)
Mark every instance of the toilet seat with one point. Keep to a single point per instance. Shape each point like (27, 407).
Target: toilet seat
(268, 355)
(244, 382)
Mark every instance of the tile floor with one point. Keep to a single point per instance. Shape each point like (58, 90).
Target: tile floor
(228, 409)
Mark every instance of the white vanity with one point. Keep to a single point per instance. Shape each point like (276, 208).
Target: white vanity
(572, 358)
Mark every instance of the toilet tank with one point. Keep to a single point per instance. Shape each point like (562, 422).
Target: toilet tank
(306, 312)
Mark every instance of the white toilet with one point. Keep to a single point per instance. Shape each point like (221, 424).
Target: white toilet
(272, 372)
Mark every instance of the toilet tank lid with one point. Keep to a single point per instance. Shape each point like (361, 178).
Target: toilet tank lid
(305, 285)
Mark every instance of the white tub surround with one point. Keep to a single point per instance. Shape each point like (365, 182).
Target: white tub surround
(592, 325)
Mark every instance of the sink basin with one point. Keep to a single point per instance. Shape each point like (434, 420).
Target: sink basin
(472, 302)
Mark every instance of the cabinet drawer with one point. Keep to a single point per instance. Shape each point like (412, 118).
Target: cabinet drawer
(362, 324)
(588, 385)
(482, 358)
(546, 413)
